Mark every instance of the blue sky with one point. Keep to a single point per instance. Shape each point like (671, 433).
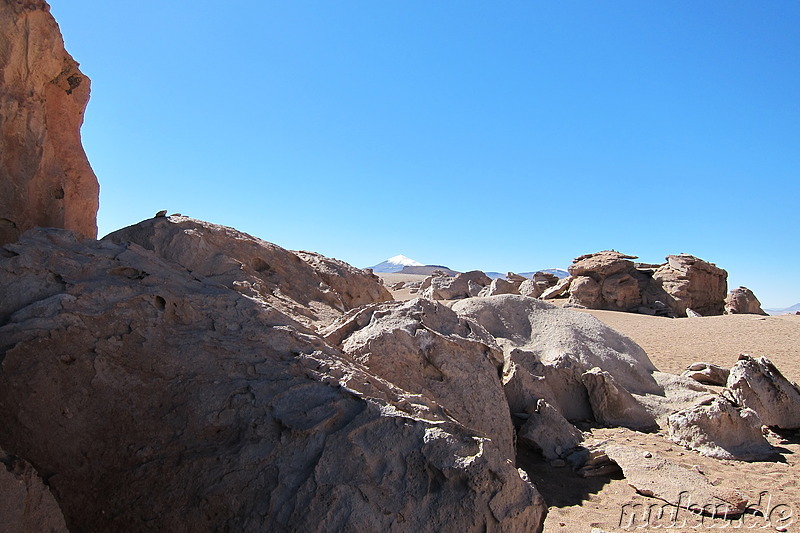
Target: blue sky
(508, 135)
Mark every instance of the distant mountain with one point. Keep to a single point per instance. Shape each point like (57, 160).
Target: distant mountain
(787, 311)
(395, 264)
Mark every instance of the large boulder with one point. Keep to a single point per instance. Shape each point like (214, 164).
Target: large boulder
(541, 341)
(456, 287)
(741, 300)
(756, 383)
(605, 280)
(311, 288)
(45, 177)
(154, 398)
(422, 346)
(717, 428)
(500, 286)
(691, 283)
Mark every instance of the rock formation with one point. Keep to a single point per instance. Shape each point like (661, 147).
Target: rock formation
(45, 177)
(693, 283)
(309, 287)
(755, 383)
(463, 285)
(26, 504)
(611, 280)
(547, 350)
(652, 475)
(161, 389)
(548, 431)
(741, 300)
(707, 373)
(718, 428)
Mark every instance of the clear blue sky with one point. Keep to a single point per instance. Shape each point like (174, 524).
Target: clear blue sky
(509, 135)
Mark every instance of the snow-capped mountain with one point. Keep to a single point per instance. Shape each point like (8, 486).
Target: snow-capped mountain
(395, 264)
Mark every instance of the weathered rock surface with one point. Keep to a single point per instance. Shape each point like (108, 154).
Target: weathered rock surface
(530, 289)
(558, 289)
(154, 398)
(585, 292)
(423, 346)
(26, 504)
(741, 300)
(652, 475)
(707, 373)
(355, 287)
(755, 383)
(546, 430)
(454, 287)
(692, 283)
(500, 286)
(45, 177)
(547, 349)
(614, 406)
(610, 280)
(314, 291)
(717, 428)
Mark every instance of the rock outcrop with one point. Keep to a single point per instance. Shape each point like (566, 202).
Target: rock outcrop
(611, 280)
(308, 287)
(718, 428)
(755, 383)
(423, 346)
(547, 350)
(26, 504)
(45, 177)
(155, 397)
(614, 406)
(463, 285)
(742, 301)
(692, 283)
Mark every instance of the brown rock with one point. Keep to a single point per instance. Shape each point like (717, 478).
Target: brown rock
(652, 475)
(530, 289)
(585, 292)
(45, 177)
(742, 301)
(558, 289)
(500, 286)
(549, 432)
(156, 398)
(26, 504)
(620, 292)
(600, 265)
(707, 373)
(692, 283)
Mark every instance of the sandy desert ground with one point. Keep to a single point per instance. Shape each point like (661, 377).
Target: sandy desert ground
(580, 505)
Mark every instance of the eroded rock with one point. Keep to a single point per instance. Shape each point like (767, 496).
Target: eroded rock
(717, 428)
(45, 177)
(741, 300)
(652, 475)
(756, 383)
(156, 398)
